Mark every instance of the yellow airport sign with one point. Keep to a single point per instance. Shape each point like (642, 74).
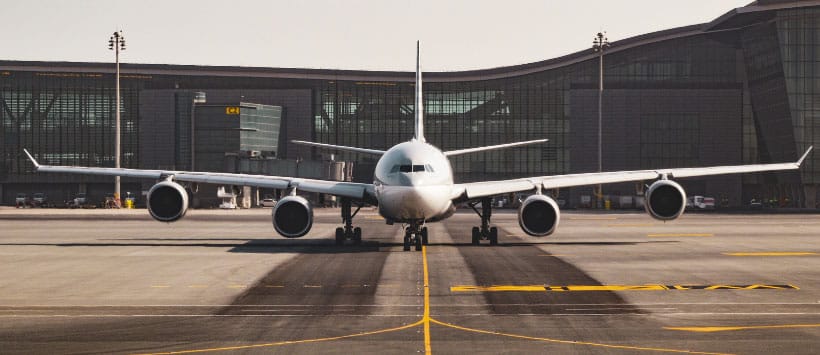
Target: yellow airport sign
(231, 110)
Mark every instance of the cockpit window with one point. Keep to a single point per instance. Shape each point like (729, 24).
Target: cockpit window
(411, 168)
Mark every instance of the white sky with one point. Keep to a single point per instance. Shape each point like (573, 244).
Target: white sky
(338, 34)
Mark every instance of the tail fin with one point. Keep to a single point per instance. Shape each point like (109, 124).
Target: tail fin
(419, 135)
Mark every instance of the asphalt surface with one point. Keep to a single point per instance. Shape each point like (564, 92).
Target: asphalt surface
(89, 282)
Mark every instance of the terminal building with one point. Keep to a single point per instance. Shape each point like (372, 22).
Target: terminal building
(741, 89)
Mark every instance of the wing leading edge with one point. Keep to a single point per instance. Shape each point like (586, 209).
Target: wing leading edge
(337, 188)
(489, 188)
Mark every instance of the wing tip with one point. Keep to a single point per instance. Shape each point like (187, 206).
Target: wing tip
(33, 161)
(805, 155)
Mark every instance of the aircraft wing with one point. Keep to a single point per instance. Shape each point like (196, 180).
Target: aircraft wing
(475, 190)
(337, 188)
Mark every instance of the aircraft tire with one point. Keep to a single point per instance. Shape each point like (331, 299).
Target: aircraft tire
(340, 236)
(476, 236)
(357, 235)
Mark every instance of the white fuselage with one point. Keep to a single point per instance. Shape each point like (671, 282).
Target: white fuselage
(414, 183)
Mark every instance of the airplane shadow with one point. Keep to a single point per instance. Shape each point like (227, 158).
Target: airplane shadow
(302, 246)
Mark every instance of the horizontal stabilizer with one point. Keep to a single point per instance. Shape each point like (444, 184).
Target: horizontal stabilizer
(340, 147)
(492, 147)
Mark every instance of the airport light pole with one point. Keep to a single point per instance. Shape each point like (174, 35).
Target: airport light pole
(599, 44)
(117, 44)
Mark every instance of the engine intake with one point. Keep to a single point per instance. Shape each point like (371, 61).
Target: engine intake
(167, 201)
(292, 216)
(539, 215)
(665, 200)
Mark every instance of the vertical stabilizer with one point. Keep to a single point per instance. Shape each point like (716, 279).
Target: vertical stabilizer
(419, 134)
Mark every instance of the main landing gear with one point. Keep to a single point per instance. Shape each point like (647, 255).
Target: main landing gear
(485, 232)
(416, 235)
(348, 232)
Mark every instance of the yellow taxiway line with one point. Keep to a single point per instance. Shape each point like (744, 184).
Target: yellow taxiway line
(289, 342)
(724, 329)
(611, 288)
(427, 348)
(780, 253)
(427, 319)
(570, 342)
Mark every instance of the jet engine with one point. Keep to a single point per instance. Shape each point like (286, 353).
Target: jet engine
(292, 216)
(665, 200)
(539, 215)
(167, 201)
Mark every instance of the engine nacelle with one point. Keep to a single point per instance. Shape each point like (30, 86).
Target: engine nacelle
(292, 216)
(539, 215)
(167, 201)
(665, 200)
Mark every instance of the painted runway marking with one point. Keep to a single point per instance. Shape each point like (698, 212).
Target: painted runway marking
(783, 253)
(662, 235)
(731, 328)
(610, 288)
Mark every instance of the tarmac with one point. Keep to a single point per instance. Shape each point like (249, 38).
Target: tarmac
(115, 281)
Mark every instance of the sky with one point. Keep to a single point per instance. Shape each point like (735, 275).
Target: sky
(334, 34)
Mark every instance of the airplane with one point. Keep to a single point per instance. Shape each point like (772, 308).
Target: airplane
(413, 185)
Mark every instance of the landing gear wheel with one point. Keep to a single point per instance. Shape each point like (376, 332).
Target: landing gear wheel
(493, 236)
(348, 232)
(424, 236)
(476, 236)
(340, 236)
(406, 241)
(357, 236)
(417, 241)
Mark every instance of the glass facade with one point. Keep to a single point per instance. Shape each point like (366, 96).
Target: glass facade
(742, 89)
(799, 38)
(66, 118)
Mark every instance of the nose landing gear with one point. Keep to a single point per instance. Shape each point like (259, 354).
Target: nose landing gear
(416, 235)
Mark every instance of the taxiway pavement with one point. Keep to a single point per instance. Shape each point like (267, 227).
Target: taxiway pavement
(221, 281)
